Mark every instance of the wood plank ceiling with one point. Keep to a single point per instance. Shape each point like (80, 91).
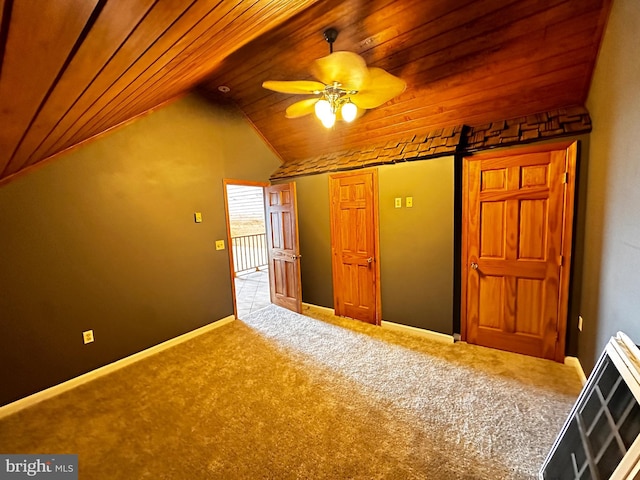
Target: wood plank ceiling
(72, 69)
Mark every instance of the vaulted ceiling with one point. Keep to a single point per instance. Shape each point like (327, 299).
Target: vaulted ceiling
(72, 69)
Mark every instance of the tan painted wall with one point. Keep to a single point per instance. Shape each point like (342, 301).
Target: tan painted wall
(416, 244)
(611, 269)
(103, 238)
(315, 239)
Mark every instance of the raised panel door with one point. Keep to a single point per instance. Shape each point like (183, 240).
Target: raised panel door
(515, 235)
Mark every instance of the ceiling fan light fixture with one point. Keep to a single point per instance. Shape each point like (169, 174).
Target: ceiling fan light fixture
(346, 87)
(349, 111)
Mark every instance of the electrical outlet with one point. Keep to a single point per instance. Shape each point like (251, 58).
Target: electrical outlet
(398, 203)
(580, 322)
(219, 244)
(87, 336)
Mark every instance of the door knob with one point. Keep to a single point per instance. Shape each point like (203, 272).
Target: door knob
(474, 265)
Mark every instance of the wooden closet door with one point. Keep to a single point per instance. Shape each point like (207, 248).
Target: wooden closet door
(517, 227)
(354, 244)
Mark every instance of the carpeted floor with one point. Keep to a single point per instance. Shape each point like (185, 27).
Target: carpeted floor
(281, 395)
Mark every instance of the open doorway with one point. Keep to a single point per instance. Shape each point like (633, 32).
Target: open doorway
(248, 245)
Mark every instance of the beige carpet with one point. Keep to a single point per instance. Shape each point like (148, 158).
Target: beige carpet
(284, 396)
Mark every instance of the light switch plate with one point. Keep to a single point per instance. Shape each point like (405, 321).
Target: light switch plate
(87, 336)
(219, 244)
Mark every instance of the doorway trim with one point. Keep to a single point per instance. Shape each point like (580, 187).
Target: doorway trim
(246, 183)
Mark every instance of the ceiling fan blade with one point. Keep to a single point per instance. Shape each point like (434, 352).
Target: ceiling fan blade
(382, 87)
(347, 68)
(301, 108)
(295, 86)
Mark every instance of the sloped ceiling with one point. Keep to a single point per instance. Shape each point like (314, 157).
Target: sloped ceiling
(72, 69)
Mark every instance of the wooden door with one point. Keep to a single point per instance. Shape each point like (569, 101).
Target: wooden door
(283, 246)
(517, 227)
(354, 245)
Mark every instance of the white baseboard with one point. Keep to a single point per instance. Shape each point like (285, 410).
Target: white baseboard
(575, 363)
(436, 336)
(112, 367)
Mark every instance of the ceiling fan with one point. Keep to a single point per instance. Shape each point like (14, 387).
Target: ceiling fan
(347, 87)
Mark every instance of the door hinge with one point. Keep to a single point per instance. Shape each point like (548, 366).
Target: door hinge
(565, 177)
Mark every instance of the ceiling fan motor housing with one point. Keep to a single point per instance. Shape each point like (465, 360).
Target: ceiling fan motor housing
(330, 35)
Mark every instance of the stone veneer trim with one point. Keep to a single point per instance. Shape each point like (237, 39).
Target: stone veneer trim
(461, 139)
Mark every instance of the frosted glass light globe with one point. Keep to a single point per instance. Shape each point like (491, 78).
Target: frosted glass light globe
(349, 112)
(324, 113)
(323, 109)
(329, 120)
